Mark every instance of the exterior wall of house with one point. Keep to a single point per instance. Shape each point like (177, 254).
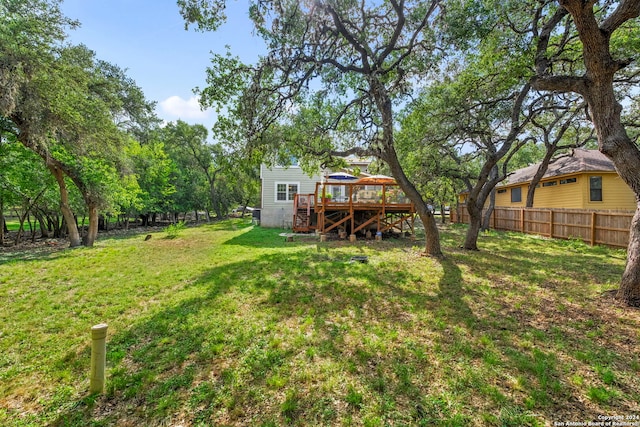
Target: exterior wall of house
(566, 194)
(279, 213)
(616, 194)
(503, 196)
(561, 192)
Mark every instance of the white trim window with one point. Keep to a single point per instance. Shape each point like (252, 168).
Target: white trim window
(286, 191)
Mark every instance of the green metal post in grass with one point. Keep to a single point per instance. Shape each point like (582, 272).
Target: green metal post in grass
(98, 357)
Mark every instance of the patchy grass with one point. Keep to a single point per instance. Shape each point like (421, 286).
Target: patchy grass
(228, 324)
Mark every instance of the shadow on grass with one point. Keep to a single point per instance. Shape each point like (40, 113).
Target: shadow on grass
(27, 255)
(60, 248)
(261, 237)
(237, 332)
(550, 327)
(304, 337)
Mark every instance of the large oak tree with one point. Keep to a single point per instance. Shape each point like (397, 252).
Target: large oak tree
(353, 62)
(600, 27)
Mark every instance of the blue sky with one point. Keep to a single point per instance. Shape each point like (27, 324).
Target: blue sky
(148, 39)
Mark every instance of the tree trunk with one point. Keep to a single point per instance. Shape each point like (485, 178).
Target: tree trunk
(490, 174)
(486, 218)
(57, 225)
(542, 169)
(213, 196)
(390, 156)
(626, 157)
(629, 291)
(615, 143)
(21, 219)
(475, 204)
(432, 234)
(475, 222)
(72, 227)
(32, 228)
(44, 231)
(92, 229)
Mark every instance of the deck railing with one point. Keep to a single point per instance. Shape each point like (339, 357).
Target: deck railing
(354, 207)
(330, 194)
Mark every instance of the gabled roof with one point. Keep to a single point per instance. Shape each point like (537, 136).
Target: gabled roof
(579, 160)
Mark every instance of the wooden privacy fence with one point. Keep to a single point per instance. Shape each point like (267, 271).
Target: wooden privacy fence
(609, 228)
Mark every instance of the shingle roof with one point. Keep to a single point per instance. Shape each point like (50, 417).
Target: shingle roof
(578, 161)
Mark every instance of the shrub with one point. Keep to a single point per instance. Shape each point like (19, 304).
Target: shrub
(174, 230)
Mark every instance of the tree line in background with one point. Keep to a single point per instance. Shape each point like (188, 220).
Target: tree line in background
(80, 146)
(446, 95)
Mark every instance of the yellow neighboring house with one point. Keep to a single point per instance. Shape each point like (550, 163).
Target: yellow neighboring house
(586, 179)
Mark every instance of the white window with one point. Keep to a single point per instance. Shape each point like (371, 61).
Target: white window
(286, 191)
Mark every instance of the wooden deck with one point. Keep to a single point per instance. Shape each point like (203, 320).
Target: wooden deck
(353, 208)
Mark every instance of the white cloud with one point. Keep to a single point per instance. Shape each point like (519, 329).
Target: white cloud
(183, 109)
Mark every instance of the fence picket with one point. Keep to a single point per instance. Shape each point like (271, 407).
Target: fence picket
(609, 228)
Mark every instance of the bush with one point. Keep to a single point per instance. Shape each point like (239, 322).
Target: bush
(174, 230)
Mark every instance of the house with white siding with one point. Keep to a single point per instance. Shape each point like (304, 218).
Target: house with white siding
(281, 183)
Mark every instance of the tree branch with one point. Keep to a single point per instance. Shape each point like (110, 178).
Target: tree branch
(560, 84)
(626, 10)
(365, 53)
(542, 63)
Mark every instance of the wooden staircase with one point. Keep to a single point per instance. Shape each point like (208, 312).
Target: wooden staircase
(303, 205)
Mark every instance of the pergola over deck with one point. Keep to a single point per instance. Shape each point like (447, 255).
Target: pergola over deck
(354, 207)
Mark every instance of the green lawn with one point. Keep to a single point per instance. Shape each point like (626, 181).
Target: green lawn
(228, 324)
(13, 224)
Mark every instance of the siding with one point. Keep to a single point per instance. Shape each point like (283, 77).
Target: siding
(280, 213)
(615, 193)
(504, 199)
(569, 195)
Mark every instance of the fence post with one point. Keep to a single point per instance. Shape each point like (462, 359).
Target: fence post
(98, 357)
(522, 220)
(551, 223)
(593, 228)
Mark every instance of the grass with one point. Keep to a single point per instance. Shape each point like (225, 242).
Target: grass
(13, 224)
(230, 325)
